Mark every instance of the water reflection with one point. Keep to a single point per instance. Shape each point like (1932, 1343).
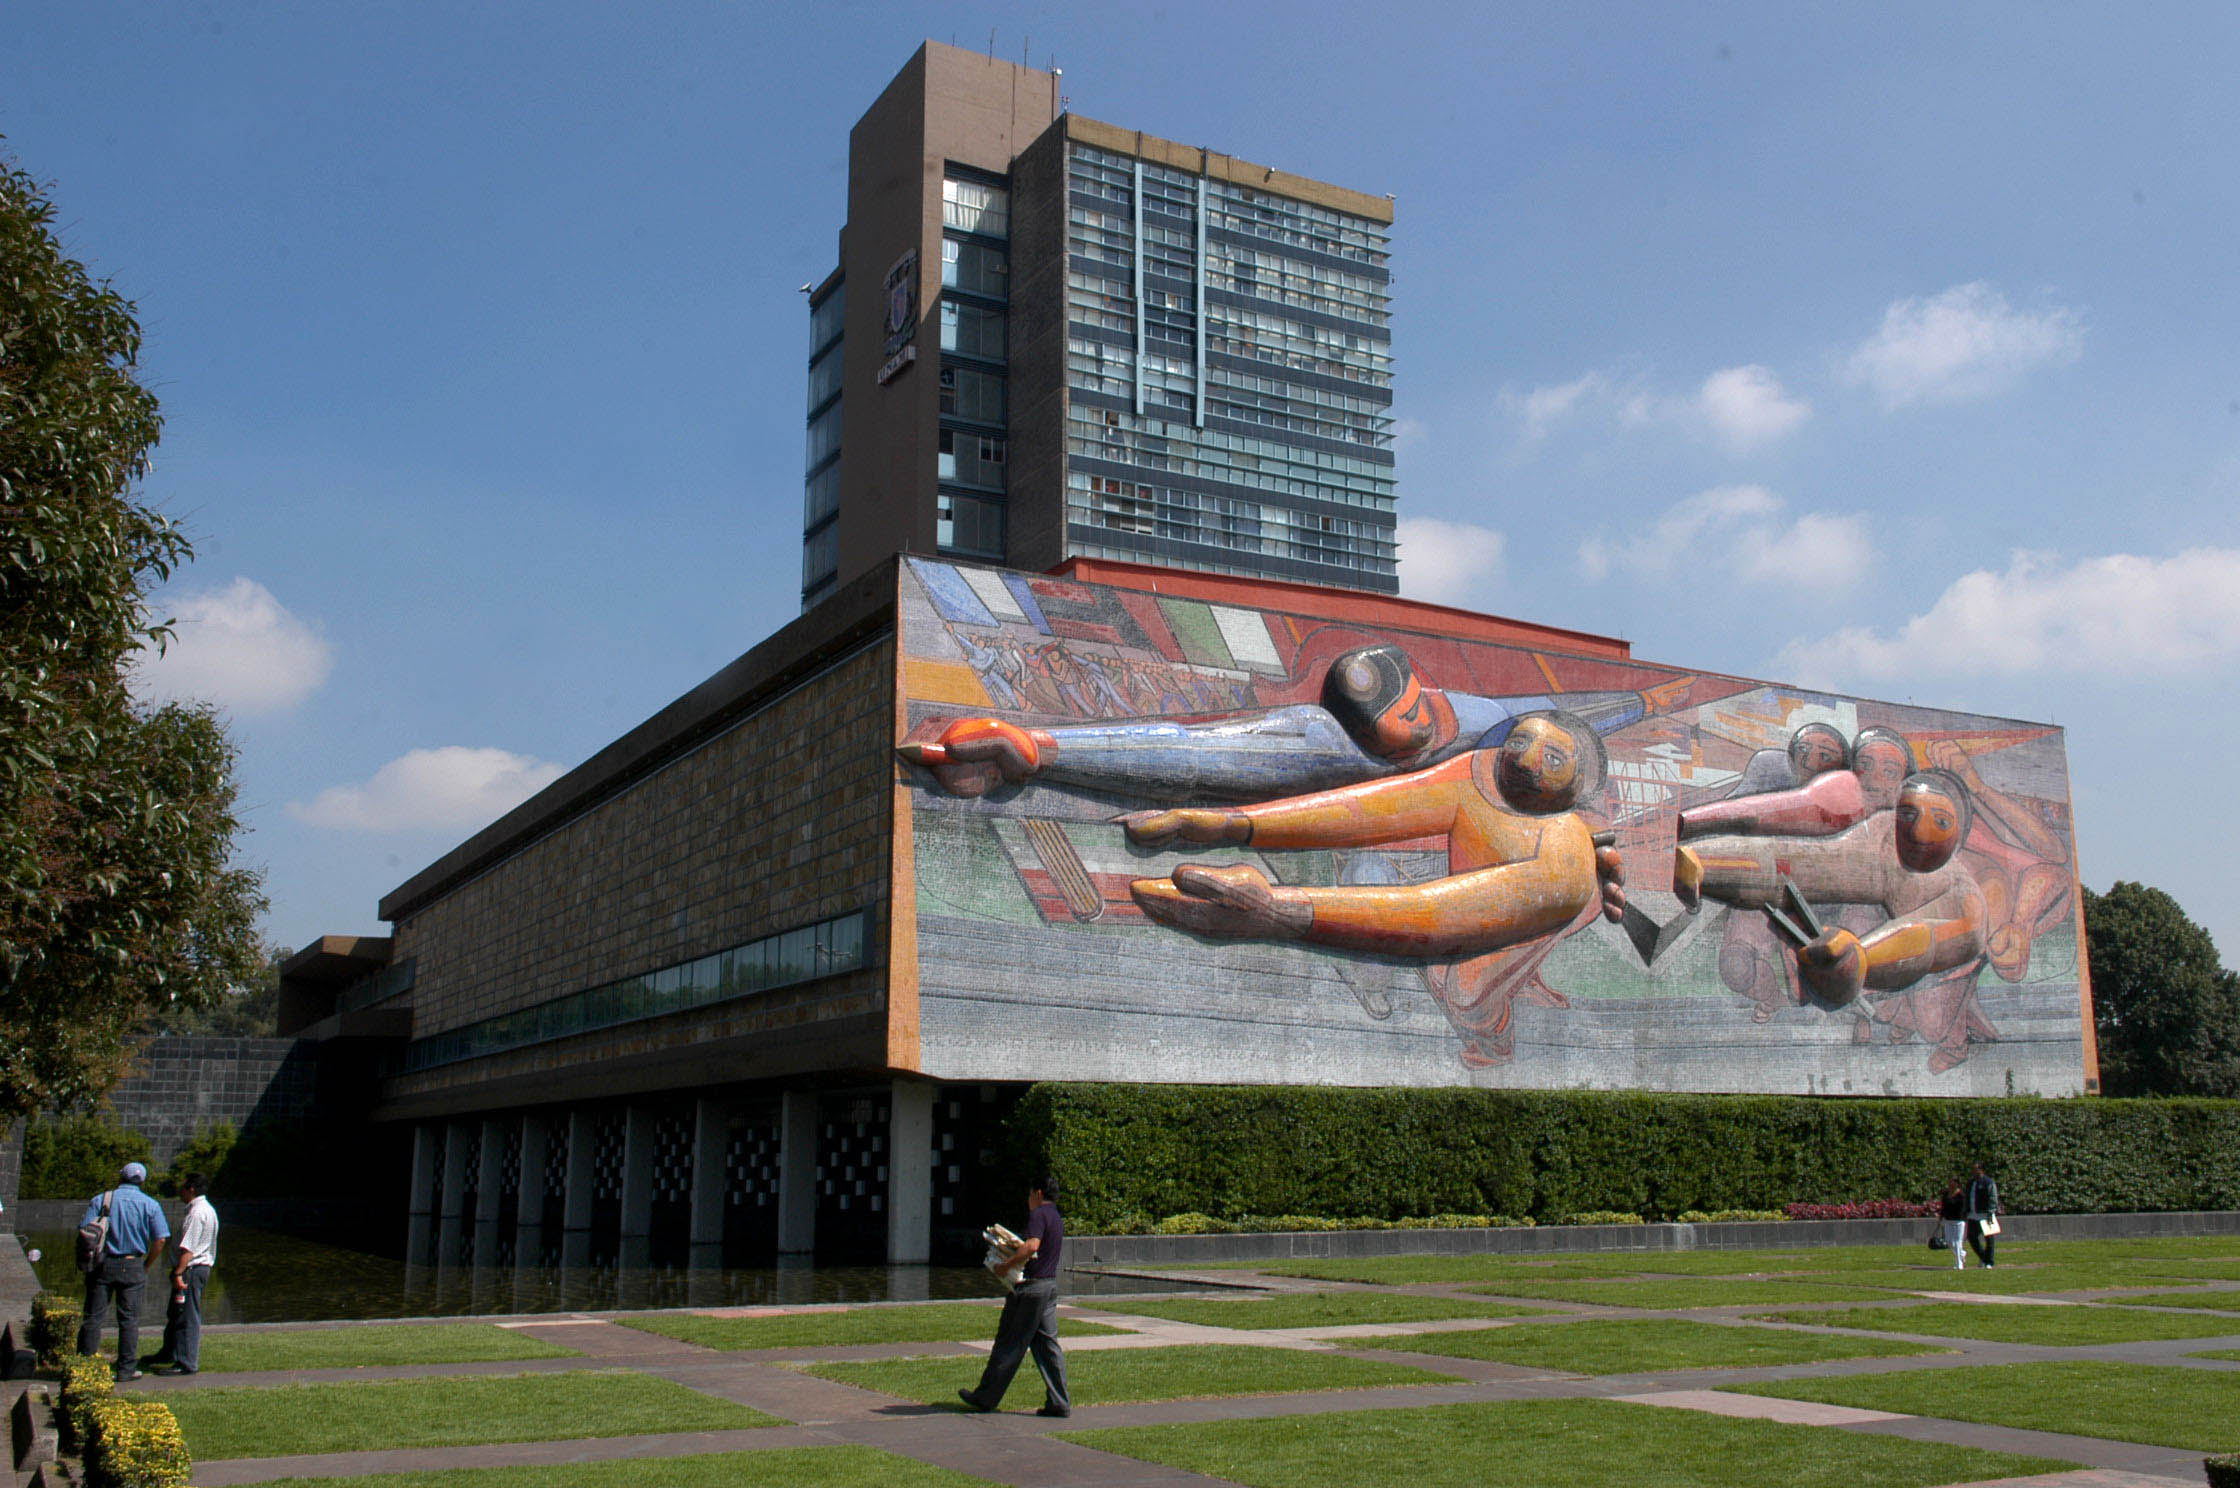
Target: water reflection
(266, 1277)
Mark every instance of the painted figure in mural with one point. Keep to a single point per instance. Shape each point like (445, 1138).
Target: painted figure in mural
(1429, 760)
(1900, 858)
(1376, 719)
(1523, 870)
(1753, 960)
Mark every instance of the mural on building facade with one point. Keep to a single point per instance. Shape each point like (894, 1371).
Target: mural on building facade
(1198, 841)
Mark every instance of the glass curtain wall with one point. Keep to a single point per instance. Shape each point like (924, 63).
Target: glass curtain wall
(1229, 359)
(820, 502)
(975, 294)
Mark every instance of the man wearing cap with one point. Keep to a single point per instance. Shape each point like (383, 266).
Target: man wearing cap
(137, 1232)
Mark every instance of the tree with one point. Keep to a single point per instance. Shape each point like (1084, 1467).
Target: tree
(2166, 1011)
(251, 1010)
(117, 893)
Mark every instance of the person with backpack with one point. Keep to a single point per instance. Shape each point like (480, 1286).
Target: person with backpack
(120, 1240)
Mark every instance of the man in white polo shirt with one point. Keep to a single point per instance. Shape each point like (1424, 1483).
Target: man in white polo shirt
(198, 1252)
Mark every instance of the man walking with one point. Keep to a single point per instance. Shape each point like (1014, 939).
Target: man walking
(1030, 1314)
(137, 1232)
(1983, 1210)
(197, 1253)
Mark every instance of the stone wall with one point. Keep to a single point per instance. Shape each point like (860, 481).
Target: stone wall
(781, 820)
(180, 1085)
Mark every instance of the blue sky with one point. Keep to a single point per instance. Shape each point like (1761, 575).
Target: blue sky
(1890, 348)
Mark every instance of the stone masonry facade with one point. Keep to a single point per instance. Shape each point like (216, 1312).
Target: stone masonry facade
(783, 819)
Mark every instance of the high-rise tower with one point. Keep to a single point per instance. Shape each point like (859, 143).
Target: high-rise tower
(1050, 337)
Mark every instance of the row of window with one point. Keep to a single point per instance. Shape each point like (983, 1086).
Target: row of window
(975, 268)
(824, 319)
(1214, 455)
(976, 207)
(824, 377)
(820, 556)
(1229, 514)
(820, 497)
(799, 955)
(971, 393)
(1081, 547)
(972, 330)
(969, 525)
(1146, 520)
(972, 459)
(824, 437)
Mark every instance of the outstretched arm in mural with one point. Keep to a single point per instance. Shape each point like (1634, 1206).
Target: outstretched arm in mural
(1901, 860)
(2022, 863)
(1517, 876)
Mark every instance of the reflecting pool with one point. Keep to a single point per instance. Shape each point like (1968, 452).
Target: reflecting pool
(266, 1277)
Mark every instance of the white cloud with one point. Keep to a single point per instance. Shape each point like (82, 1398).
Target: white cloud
(2118, 616)
(1544, 407)
(1967, 342)
(1409, 431)
(1746, 407)
(237, 647)
(1742, 531)
(449, 789)
(1743, 408)
(1448, 562)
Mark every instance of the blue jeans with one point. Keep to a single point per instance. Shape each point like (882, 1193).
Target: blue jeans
(182, 1328)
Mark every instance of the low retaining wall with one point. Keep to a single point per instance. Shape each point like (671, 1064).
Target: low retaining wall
(1199, 1250)
(313, 1216)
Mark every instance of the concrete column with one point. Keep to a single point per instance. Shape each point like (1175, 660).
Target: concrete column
(583, 1139)
(910, 1172)
(637, 1172)
(797, 1171)
(425, 1138)
(488, 1193)
(536, 1148)
(711, 1143)
(456, 1136)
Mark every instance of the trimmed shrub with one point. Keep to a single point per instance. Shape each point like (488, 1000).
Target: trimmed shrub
(1871, 1209)
(86, 1381)
(54, 1327)
(133, 1442)
(1127, 1152)
(1601, 1217)
(2223, 1471)
(1732, 1216)
(75, 1157)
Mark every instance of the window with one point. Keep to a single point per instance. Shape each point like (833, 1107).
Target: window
(821, 496)
(824, 319)
(824, 377)
(824, 437)
(974, 459)
(820, 557)
(975, 268)
(969, 525)
(972, 331)
(968, 393)
(975, 207)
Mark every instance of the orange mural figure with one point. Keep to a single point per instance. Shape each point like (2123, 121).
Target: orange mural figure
(1902, 860)
(1523, 869)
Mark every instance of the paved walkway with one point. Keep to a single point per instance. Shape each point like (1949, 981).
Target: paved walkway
(1014, 1447)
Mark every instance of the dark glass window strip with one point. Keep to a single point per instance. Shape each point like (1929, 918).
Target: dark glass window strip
(802, 954)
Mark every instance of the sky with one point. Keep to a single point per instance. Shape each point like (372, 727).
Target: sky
(1890, 349)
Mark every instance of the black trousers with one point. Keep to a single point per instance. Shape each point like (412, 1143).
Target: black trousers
(1030, 1321)
(1985, 1246)
(118, 1279)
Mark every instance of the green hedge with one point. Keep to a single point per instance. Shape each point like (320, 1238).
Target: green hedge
(75, 1157)
(1229, 1151)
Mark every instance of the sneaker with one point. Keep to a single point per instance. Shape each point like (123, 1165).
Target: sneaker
(1051, 1410)
(127, 1376)
(175, 1369)
(973, 1402)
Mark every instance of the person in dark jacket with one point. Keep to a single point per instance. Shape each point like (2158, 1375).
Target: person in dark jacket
(1953, 1210)
(1983, 1204)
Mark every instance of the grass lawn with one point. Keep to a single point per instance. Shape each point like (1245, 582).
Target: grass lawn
(2213, 1301)
(1551, 1444)
(2233, 1354)
(1107, 1377)
(1646, 1346)
(785, 1467)
(2159, 1405)
(2007, 1280)
(384, 1343)
(1315, 1309)
(2054, 1327)
(1683, 1292)
(457, 1410)
(930, 1322)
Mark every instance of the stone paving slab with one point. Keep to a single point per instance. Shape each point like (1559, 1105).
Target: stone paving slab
(2092, 1451)
(2088, 1478)
(1761, 1407)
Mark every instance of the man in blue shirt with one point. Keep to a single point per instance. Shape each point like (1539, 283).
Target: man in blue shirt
(137, 1232)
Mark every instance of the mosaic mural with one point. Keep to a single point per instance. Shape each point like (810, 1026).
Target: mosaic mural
(1162, 838)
